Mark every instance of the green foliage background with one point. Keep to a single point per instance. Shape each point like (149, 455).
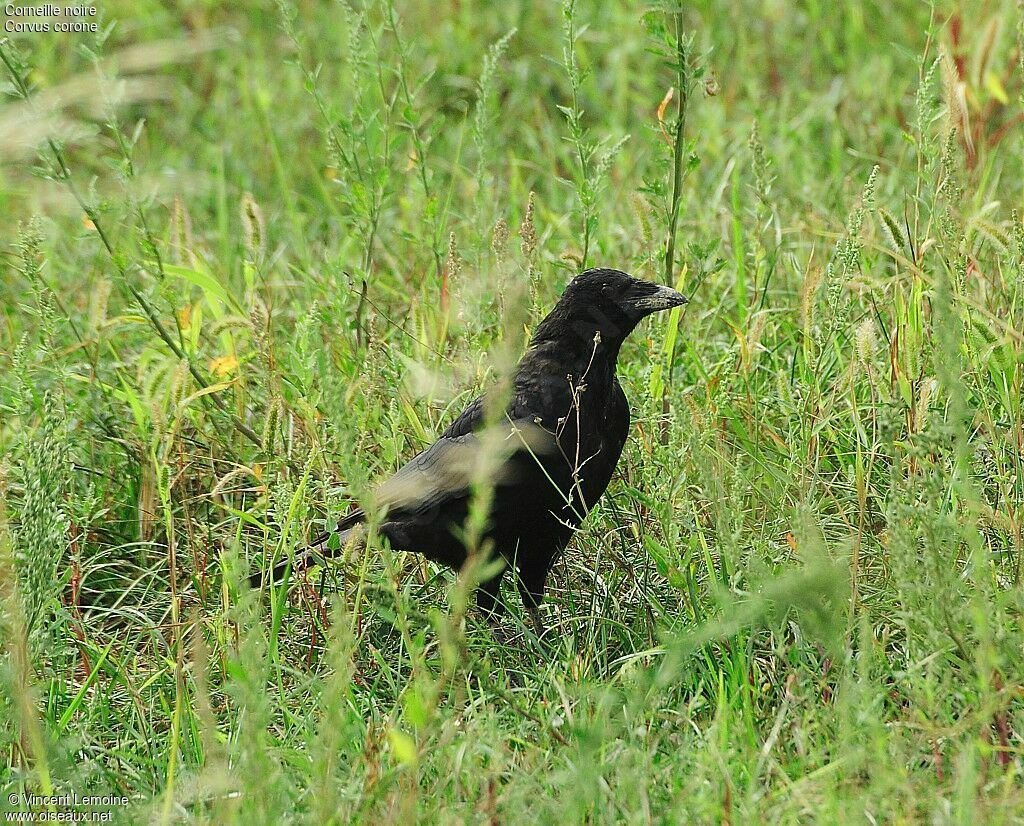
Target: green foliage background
(255, 256)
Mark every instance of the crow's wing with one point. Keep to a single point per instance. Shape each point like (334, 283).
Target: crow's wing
(420, 470)
(467, 421)
(445, 471)
(466, 452)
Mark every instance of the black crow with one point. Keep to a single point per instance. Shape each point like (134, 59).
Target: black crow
(551, 452)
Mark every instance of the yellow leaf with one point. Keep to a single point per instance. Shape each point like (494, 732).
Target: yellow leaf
(995, 88)
(403, 746)
(185, 317)
(665, 101)
(257, 470)
(222, 365)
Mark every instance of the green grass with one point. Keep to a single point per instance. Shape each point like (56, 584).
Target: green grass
(257, 257)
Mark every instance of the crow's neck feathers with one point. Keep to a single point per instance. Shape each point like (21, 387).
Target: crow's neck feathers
(560, 360)
(572, 353)
(574, 328)
(586, 342)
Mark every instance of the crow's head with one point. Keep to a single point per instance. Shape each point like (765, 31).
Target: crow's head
(609, 302)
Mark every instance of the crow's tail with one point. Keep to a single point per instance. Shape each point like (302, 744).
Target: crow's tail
(346, 530)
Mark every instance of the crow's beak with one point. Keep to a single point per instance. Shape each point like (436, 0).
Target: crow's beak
(663, 298)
